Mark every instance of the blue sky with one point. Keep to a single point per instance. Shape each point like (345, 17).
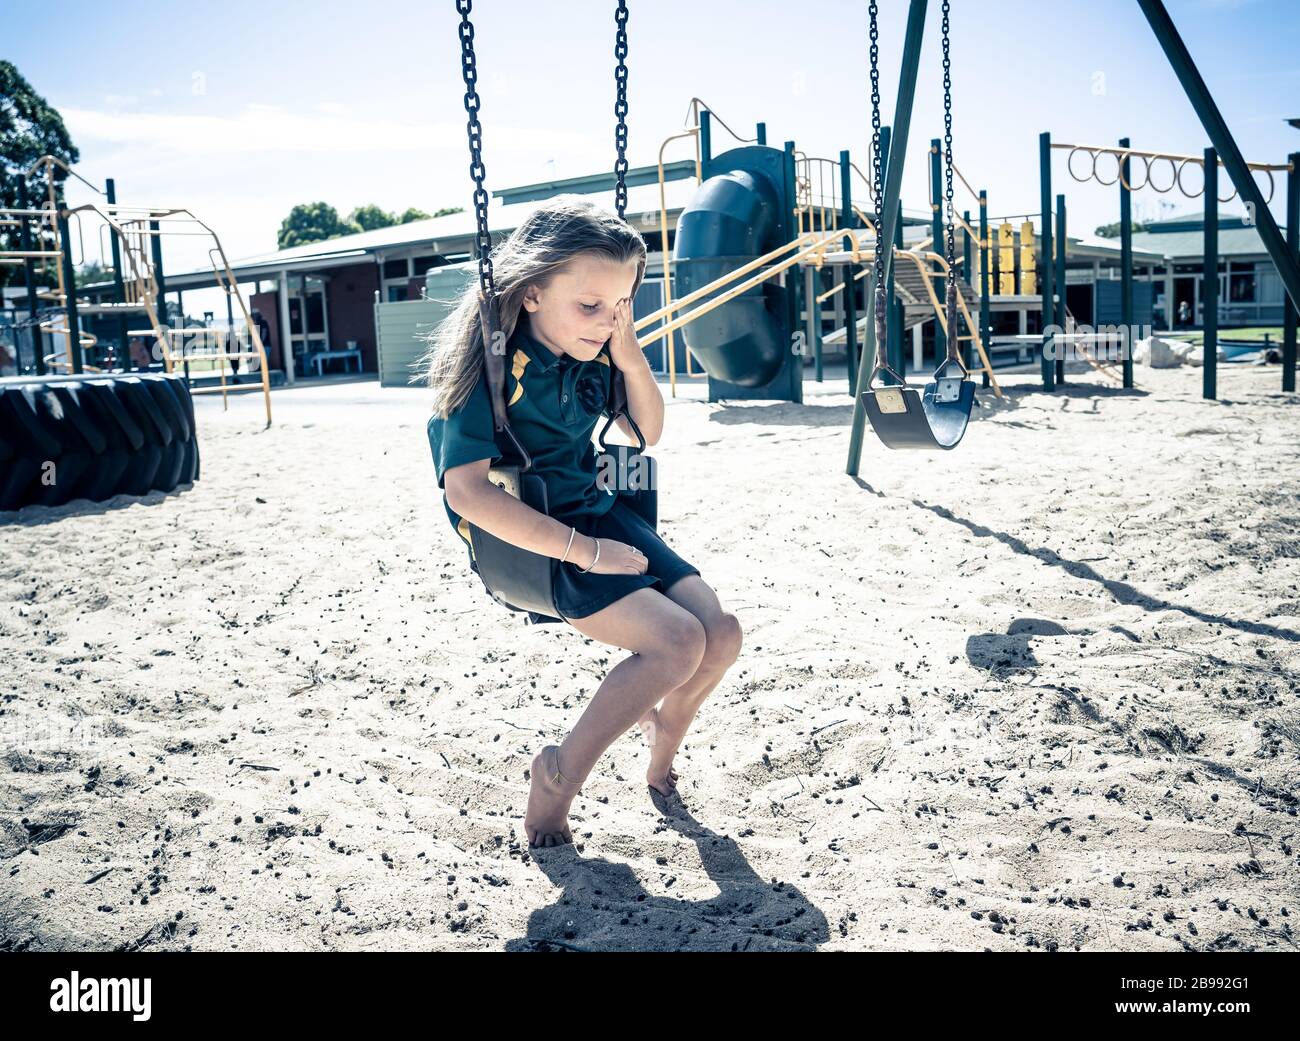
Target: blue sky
(239, 110)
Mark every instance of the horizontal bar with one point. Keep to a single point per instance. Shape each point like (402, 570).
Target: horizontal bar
(1126, 152)
(229, 388)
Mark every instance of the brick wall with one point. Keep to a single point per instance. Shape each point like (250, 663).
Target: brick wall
(269, 305)
(351, 301)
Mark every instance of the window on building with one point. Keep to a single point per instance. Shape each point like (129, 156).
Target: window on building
(1004, 323)
(396, 268)
(315, 313)
(1241, 287)
(422, 264)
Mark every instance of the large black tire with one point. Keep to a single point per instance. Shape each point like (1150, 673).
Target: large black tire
(93, 437)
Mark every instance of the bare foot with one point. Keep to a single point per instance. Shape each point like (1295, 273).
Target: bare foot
(660, 776)
(546, 821)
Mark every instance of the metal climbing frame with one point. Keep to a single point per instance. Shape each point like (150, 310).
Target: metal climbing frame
(1125, 158)
(135, 233)
(1284, 255)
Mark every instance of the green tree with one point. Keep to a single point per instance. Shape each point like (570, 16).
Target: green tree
(415, 213)
(313, 222)
(1111, 231)
(29, 129)
(93, 271)
(370, 217)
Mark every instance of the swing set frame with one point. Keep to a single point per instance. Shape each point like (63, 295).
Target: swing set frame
(1198, 94)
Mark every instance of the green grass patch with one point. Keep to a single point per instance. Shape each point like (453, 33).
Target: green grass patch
(1251, 333)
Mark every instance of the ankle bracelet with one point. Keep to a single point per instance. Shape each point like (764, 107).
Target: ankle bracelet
(558, 775)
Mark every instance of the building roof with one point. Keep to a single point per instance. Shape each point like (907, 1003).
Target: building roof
(1090, 246)
(1233, 242)
(1183, 236)
(452, 234)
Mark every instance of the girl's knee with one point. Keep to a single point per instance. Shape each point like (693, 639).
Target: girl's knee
(681, 646)
(723, 638)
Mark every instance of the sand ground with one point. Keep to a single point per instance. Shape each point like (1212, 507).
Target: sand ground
(1040, 692)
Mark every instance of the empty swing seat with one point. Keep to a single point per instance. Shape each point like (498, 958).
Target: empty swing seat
(934, 417)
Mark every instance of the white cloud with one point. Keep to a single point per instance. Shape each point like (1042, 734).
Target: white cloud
(269, 128)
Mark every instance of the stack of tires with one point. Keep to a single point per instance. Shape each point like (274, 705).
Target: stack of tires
(93, 437)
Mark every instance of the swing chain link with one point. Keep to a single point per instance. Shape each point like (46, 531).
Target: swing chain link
(951, 251)
(877, 175)
(469, 69)
(620, 108)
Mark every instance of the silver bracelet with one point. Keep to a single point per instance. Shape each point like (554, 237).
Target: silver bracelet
(581, 571)
(572, 531)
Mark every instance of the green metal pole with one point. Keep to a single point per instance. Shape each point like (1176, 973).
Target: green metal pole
(893, 327)
(1287, 264)
(817, 325)
(1126, 266)
(966, 254)
(1292, 242)
(985, 277)
(761, 133)
(896, 338)
(29, 273)
(155, 242)
(1210, 279)
(1045, 248)
(1060, 285)
(790, 281)
(119, 286)
(890, 208)
(847, 220)
(706, 138)
(70, 286)
(230, 332)
(937, 233)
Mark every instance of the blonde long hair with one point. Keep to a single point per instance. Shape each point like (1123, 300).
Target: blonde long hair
(549, 238)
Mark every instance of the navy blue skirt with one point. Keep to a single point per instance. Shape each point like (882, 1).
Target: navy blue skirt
(578, 595)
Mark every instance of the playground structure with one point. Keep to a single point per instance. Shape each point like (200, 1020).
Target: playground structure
(734, 241)
(1124, 158)
(758, 206)
(74, 429)
(135, 234)
(750, 305)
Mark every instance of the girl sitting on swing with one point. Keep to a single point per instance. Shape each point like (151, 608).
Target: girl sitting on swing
(565, 279)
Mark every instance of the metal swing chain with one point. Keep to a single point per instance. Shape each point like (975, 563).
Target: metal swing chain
(951, 295)
(483, 239)
(877, 176)
(878, 179)
(620, 108)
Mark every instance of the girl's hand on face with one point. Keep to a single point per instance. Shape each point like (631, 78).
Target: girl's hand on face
(623, 346)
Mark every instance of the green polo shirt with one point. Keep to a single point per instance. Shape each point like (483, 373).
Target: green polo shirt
(553, 404)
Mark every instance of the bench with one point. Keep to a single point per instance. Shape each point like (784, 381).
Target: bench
(320, 357)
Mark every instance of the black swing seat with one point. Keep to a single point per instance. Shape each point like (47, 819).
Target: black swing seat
(935, 417)
(516, 578)
(524, 581)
